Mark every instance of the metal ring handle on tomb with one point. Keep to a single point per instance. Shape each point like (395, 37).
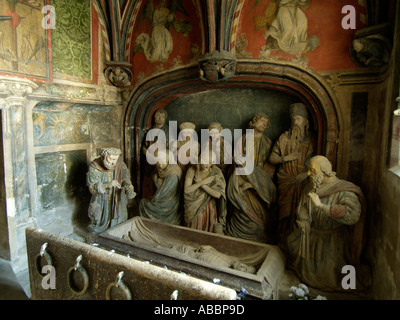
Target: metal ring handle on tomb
(78, 267)
(118, 283)
(43, 253)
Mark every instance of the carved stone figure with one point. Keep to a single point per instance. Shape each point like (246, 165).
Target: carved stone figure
(330, 228)
(370, 52)
(139, 233)
(212, 256)
(252, 197)
(164, 204)
(110, 184)
(204, 200)
(217, 66)
(291, 152)
(160, 124)
(221, 147)
(188, 150)
(262, 144)
(253, 194)
(119, 77)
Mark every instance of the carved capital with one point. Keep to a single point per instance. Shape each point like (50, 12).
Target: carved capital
(217, 66)
(118, 73)
(15, 90)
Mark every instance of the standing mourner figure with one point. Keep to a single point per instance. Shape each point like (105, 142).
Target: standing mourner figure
(291, 152)
(330, 228)
(222, 148)
(151, 137)
(205, 201)
(110, 184)
(164, 204)
(187, 151)
(253, 194)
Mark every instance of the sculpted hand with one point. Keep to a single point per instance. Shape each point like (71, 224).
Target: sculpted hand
(315, 199)
(128, 188)
(114, 183)
(292, 157)
(208, 180)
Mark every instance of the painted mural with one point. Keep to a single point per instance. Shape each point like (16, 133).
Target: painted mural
(158, 45)
(167, 35)
(57, 124)
(308, 33)
(24, 49)
(286, 27)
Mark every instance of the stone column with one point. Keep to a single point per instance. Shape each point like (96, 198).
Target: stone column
(18, 185)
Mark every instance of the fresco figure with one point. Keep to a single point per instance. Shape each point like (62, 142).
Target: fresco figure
(158, 45)
(288, 29)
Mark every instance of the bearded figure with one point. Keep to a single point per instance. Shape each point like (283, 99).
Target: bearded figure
(291, 153)
(110, 184)
(329, 230)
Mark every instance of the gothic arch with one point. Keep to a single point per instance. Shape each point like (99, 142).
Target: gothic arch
(156, 92)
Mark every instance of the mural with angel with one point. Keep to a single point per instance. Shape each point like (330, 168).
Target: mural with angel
(158, 45)
(286, 26)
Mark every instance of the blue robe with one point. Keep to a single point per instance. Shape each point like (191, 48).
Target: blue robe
(164, 205)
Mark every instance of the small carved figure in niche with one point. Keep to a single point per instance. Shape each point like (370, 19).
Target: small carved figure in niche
(222, 148)
(119, 77)
(153, 136)
(253, 194)
(110, 184)
(164, 204)
(371, 52)
(204, 197)
(330, 229)
(187, 147)
(291, 152)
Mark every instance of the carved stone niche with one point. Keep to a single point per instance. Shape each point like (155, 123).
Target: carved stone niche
(371, 46)
(217, 66)
(119, 73)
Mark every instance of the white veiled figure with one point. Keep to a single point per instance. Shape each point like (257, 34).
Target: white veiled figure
(159, 45)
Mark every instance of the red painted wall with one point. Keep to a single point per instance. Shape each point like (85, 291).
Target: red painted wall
(182, 44)
(324, 20)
